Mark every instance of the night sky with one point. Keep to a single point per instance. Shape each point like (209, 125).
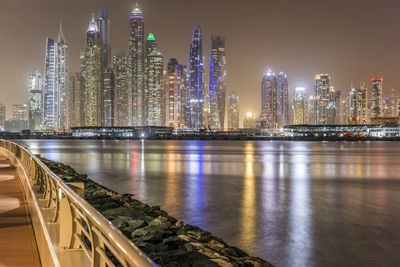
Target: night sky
(350, 40)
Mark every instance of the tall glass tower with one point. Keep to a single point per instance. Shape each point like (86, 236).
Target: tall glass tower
(62, 72)
(269, 100)
(322, 98)
(103, 25)
(376, 108)
(136, 67)
(196, 81)
(35, 100)
(282, 100)
(217, 82)
(154, 83)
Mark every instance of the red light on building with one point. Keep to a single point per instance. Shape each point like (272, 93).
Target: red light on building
(134, 104)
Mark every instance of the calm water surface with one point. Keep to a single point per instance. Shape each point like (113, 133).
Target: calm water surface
(291, 203)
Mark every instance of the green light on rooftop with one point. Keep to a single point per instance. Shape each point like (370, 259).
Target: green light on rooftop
(151, 37)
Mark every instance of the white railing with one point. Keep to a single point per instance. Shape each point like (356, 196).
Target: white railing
(81, 228)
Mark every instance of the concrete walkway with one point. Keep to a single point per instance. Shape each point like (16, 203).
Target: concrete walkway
(17, 240)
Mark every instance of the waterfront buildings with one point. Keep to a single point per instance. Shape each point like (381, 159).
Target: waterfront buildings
(108, 90)
(217, 82)
(249, 121)
(198, 116)
(299, 106)
(173, 95)
(358, 109)
(76, 101)
(233, 111)
(269, 116)
(20, 111)
(376, 103)
(154, 93)
(92, 75)
(122, 100)
(322, 98)
(55, 82)
(136, 67)
(35, 104)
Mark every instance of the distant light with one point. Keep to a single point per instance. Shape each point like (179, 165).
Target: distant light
(142, 135)
(249, 114)
(300, 89)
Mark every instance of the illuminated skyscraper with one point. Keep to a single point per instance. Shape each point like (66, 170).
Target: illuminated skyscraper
(55, 83)
(173, 94)
(185, 95)
(122, 99)
(35, 105)
(108, 97)
(2, 117)
(331, 113)
(269, 116)
(249, 121)
(390, 105)
(282, 97)
(358, 99)
(322, 98)
(217, 82)
(299, 106)
(376, 107)
(197, 92)
(75, 107)
(339, 107)
(153, 96)
(91, 73)
(136, 67)
(103, 25)
(233, 111)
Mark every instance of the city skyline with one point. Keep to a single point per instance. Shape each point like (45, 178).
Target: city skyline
(244, 70)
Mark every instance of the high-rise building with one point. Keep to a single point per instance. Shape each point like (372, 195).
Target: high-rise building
(75, 107)
(217, 82)
(197, 93)
(331, 113)
(358, 98)
(153, 95)
(309, 110)
(55, 82)
(91, 73)
(103, 25)
(2, 117)
(173, 94)
(108, 97)
(322, 98)
(299, 105)
(249, 121)
(390, 105)
(136, 67)
(282, 97)
(185, 95)
(233, 111)
(121, 99)
(269, 116)
(339, 107)
(376, 108)
(20, 112)
(35, 105)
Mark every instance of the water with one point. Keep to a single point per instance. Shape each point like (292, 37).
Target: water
(291, 203)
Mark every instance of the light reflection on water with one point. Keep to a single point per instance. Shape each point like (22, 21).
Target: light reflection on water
(292, 203)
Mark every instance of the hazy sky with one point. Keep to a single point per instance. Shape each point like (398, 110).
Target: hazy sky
(352, 40)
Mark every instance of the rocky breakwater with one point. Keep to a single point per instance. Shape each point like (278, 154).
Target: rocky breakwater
(165, 240)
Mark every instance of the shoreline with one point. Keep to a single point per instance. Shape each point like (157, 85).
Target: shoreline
(167, 241)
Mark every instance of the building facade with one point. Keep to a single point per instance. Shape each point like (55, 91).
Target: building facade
(76, 100)
(217, 82)
(269, 116)
(376, 104)
(121, 99)
(2, 117)
(136, 67)
(298, 104)
(233, 111)
(198, 116)
(322, 98)
(282, 97)
(35, 105)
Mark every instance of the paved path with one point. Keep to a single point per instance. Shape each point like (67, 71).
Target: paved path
(17, 240)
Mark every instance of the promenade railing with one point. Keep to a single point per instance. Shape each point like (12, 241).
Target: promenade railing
(65, 224)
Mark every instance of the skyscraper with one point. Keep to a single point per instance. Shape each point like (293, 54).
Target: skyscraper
(75, 107)
(376, 108)
(185, 95)
(136, 67)
(55, 82)
(91, 73)
(233, 111)
(122, 100)
(358, 105)
(217, 82)
(153, 95)
(35, 106)
(108, 97)
(299, 106)
(20, 112)
(197, 93)
(322, 98)
(269, 116)
(173, 94)
(103, 25)
(282, 97)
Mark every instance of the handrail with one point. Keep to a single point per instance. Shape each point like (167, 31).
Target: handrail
(82, 227)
